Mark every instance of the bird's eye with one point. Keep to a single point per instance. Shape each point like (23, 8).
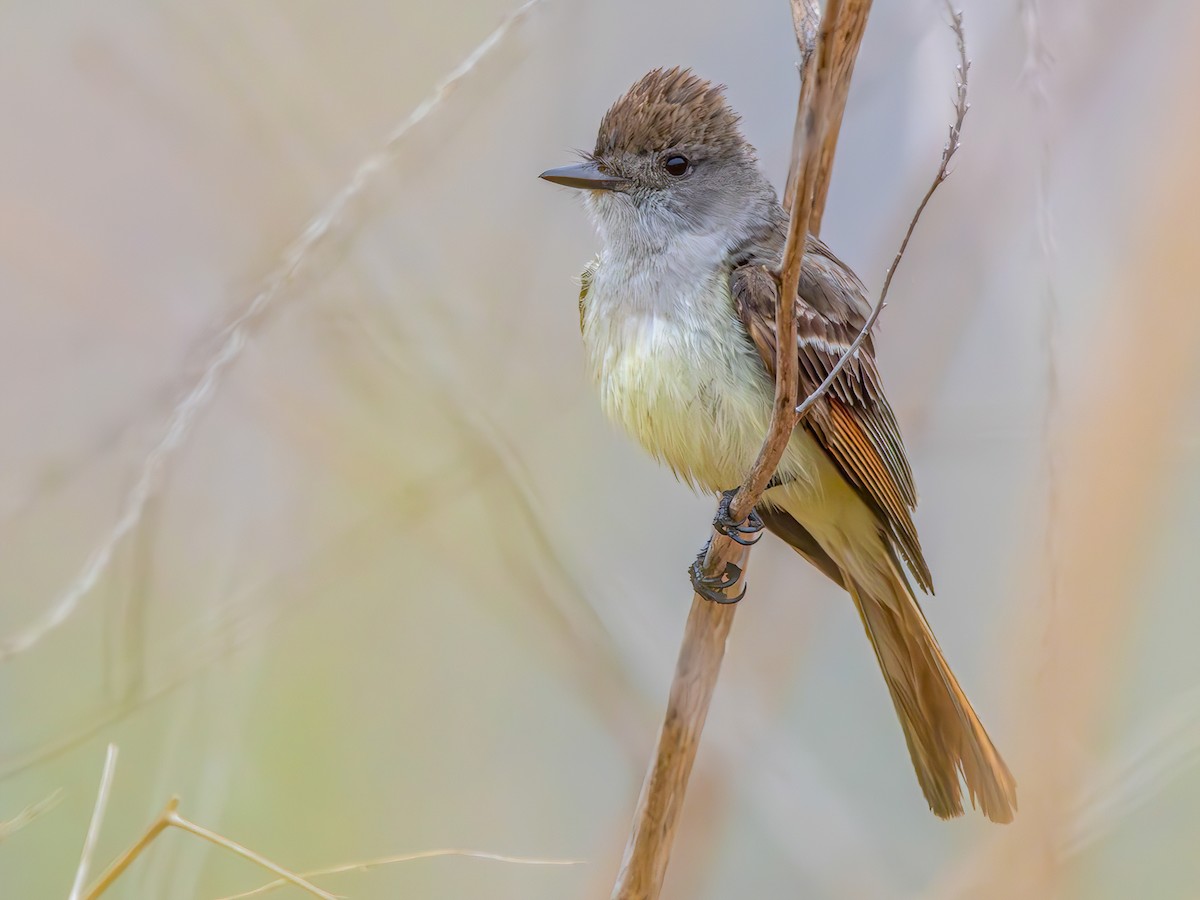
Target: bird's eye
(676, 166)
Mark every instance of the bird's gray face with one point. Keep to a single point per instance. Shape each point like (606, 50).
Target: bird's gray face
(646, 200)
(671, 170)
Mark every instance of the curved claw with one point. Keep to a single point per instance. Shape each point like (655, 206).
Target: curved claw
(713, 587)
(746, 532)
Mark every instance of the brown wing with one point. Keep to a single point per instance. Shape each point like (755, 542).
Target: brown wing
(853, 421)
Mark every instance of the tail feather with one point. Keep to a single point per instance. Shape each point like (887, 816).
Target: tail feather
(944, 735)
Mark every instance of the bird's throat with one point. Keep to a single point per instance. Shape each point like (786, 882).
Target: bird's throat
(676, 370)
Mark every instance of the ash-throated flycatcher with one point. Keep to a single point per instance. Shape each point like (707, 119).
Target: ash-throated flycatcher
(678, 321)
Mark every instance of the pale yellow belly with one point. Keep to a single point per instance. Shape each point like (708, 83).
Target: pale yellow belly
(697, 399)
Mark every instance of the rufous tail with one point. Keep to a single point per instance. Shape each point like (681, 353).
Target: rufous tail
(945, 738)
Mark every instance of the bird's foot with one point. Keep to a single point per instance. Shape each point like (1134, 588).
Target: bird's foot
(746, 532)
(713, 587)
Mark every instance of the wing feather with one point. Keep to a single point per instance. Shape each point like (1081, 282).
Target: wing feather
(853, 422)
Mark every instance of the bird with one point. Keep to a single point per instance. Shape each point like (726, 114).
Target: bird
(677, 315)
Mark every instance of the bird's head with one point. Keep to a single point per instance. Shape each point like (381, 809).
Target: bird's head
(670, 162)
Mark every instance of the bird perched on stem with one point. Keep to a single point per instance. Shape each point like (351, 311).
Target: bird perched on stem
(678, 321)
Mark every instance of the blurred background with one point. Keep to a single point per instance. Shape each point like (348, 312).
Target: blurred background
(332, 540)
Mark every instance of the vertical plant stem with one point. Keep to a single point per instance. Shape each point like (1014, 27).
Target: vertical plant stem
(656, 819)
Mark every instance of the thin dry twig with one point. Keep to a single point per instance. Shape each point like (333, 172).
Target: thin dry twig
(408, 857)
(952, 144)
(656, 819)
(839, 55)
(236, 334)
(806, 20)
(93, 832)
(169, 817)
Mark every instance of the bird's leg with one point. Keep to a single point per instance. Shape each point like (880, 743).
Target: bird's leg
(746, 532)
(713, 587)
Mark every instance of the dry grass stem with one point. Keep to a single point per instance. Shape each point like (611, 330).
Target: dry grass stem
(236, 334)
(93, 832)
(169, 817)
(838, 57)
(842, 51)
(407, 857)
(656, 819)
(806, 20)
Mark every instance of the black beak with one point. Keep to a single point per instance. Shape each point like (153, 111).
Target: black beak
(586, 175)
